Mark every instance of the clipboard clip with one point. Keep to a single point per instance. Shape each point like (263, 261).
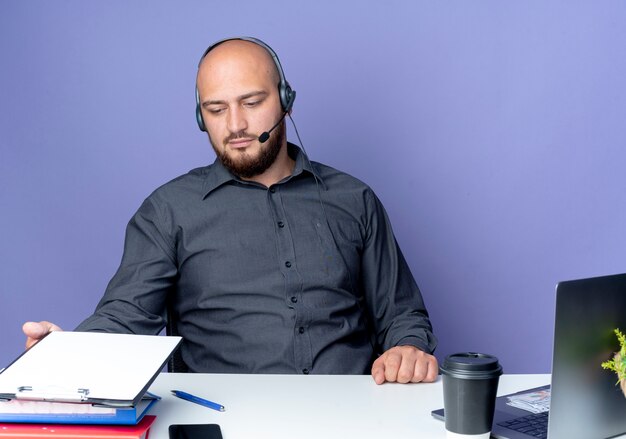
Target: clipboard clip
(51, 393)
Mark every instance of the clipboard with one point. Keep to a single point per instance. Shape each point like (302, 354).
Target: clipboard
(46, 412)
(101, 369)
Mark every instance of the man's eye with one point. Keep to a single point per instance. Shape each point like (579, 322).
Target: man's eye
(215, 110)
(251, 103)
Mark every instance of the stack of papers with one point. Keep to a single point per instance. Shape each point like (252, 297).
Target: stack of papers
(534, 402)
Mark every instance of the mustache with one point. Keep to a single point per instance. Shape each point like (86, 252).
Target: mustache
(240, 135)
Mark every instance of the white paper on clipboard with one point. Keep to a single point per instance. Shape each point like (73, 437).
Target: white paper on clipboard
(87, 367)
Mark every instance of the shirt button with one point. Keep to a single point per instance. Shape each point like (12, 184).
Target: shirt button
(301, 330)
(294, 299)
(272, 190)
(305, 371)
(281, 224)
(287, 264)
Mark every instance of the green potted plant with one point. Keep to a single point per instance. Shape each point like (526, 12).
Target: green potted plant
(618, 363)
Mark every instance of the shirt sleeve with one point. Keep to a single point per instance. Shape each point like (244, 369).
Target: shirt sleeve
(393, 299)
(135, 299)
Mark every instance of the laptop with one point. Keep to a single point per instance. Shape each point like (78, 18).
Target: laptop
(585, 402)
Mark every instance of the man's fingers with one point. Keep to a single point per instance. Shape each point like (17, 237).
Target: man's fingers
(392, 361)
(404, 364)
(378, 371)
(433, 370)
(410, 370)
(426, 369)
(386, 367)
(418, 368)
(35, 331)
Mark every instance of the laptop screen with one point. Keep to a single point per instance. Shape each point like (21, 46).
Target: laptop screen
(586, 402)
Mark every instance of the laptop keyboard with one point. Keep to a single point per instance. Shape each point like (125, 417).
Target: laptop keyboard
(534, 425)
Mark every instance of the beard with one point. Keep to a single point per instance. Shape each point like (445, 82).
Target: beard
(245, 165)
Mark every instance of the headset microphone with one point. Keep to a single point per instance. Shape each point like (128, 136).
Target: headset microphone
(266, 134)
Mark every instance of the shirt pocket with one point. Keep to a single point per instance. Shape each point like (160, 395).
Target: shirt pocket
(341, 246)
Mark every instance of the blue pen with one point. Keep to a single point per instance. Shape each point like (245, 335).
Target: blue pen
(191, 398)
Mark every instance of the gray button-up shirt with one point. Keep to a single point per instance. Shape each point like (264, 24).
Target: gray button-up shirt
(302, 277)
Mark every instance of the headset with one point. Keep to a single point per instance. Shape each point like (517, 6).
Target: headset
(285, 92)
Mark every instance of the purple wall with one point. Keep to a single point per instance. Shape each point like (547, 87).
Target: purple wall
(493, 132)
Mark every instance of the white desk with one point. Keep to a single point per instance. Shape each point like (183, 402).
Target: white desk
(310, 406)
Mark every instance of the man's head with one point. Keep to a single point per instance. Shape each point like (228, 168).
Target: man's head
(239, 87)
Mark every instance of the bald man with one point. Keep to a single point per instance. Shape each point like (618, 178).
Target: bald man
(270, 263)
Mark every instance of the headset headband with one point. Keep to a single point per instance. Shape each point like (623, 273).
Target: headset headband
(285, 92)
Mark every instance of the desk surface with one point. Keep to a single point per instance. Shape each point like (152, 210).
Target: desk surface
(310, 406)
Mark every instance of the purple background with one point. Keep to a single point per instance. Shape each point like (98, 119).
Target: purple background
(493, 132)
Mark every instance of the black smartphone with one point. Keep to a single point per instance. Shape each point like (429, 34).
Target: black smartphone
(195, 431)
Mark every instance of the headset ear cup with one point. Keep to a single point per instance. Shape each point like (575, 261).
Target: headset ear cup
(287, 96)
(199, 119)
(199, 112)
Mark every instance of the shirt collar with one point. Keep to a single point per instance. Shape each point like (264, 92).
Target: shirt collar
(219, 175)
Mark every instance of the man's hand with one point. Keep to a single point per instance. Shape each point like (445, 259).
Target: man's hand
(35, 331)
(404, 364)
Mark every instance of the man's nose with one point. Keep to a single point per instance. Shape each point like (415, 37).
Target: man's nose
(236, 121)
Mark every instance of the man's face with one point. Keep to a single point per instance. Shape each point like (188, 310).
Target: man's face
(237, 82)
